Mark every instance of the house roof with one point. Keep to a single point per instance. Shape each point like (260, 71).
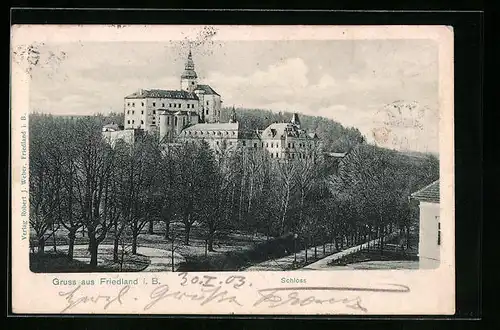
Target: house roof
(162, 93)
(280, 130)
(428, 193)
(206, 89)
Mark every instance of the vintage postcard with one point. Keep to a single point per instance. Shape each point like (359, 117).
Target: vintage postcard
(296, 170)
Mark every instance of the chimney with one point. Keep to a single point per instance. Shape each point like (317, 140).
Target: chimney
(141, 91)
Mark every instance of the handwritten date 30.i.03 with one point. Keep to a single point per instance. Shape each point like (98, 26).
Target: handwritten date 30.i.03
(205, 289)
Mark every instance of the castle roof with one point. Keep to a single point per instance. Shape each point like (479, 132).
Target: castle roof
(428, 193)
(213, 127)
(282, 130)
(162, 93)
(206, 89)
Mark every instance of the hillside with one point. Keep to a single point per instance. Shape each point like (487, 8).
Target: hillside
(335, 136)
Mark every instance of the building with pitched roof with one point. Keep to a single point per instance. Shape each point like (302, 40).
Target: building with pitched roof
(193, 112)
(430, 226)
(143, 108)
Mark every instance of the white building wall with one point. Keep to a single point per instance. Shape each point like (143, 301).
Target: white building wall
(429, 250)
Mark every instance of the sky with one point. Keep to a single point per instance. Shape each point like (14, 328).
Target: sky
(388, 89)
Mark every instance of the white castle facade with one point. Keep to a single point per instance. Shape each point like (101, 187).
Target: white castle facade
(193, 113)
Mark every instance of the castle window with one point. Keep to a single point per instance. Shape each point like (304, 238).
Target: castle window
(175, 105)
(277, 155)
(230, 143)
(188, 105)
(293, 145)
(170, 105)
(142, 103)
(154, 112)
(207, 112)
(271, 155)
(168, 120)
(142, 112)
(262, 144)
(179, 105)
(234, 133)
(192, 83)
(288, 144)
(133, 104)
(255, 145)
(154, 104)
(207, 102)
(267, 144)
(128, 112)
(163, 105)
(133, 121)
(133, 111)
(153, 122)
(128, 121)
(244, 142)
(272, 145)
(175, 121)
(142, 121)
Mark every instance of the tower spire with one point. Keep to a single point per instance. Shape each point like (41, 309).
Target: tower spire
(189, 76)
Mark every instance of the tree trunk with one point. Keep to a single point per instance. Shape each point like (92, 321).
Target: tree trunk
(71, 245)
(167, 229)
(54, 243)
(116, 243)
(41, 245)
(93, 249)
(187, 230)
(134, 243)
(151, 227)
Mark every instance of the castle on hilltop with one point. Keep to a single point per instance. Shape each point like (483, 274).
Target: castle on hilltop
(193, 113)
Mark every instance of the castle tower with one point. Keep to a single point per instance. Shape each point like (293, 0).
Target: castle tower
(295, 120)
(189, 77)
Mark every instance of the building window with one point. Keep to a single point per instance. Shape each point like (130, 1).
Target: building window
(154, 104)
(207, 102)
(217, 142)
(271, 155)
(154, 123)
(255, 145)
(154, 112)
(267, 144)
(276, 155)
(168, 120)
(293, 145)
(262, 144)
(170, 105)
(272, 145)
(128, 121)
(142, 112)
(142, 103)
(244, 143)
(230, 143)
(133, 111)
(439, 231)
(133, 121)
(163, 105)
(133, 104)
(128, 112)
(142, 121)
(128, 104)
(288, 144)
(207, 111)
(175, 121)
(179, 105)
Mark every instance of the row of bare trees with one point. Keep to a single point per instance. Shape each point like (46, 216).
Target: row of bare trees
(79, 181)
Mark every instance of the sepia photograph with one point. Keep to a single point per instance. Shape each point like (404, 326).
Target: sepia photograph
(225, 156)
(242, 156)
